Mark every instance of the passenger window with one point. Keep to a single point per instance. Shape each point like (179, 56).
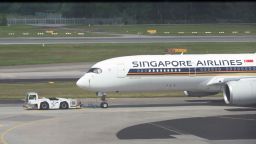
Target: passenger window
(95, 70)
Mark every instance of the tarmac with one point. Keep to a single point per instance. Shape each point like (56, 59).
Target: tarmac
(131, 121)
(44, 72)
(178, 120)
(124, 39)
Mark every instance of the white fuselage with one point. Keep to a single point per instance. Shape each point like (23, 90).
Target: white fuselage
(167, 72)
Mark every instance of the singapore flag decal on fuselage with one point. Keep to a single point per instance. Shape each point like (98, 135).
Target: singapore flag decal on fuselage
(196, 74)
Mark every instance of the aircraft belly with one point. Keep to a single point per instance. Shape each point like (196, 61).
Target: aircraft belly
(156, 83)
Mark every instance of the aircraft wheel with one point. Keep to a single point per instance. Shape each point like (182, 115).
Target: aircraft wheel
(104, 105)
(63, 105)
(44, 106)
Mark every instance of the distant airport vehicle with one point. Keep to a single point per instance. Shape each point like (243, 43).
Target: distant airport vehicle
(195, 74)
(177, 50)
(34, 102)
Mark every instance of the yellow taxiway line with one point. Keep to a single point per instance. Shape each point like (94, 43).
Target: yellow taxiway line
(3, 134)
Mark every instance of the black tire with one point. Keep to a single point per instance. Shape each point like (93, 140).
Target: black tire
(44, 106)
(104, 105)
(63, 105)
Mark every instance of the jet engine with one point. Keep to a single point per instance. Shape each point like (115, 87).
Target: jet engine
(242, 92)
(198, 93)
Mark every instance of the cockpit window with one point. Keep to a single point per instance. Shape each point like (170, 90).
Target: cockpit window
(95, 70)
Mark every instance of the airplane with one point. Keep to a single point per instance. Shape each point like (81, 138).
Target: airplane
(195, 74)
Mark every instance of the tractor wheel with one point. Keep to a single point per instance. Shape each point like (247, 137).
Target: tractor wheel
(44, 106)
(63, 105)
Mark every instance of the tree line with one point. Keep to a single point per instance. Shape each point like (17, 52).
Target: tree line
(144, 12)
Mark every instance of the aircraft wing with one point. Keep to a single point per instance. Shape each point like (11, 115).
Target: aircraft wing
(224, 80)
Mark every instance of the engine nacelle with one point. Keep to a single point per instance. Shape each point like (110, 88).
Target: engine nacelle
(242, 92)
(198, 93)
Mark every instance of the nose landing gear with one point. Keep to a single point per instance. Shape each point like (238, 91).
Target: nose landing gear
(104, 103)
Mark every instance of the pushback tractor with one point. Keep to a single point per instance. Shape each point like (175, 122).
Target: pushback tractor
(32, 101)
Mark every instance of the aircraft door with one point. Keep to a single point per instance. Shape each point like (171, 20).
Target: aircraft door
(121, 72)
(192, 71)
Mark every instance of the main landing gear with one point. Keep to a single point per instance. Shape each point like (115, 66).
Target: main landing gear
(104, 103)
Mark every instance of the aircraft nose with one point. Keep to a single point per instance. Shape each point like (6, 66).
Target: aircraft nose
(83, 82)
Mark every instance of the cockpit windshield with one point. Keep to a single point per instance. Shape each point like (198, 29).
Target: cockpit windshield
(95, 70)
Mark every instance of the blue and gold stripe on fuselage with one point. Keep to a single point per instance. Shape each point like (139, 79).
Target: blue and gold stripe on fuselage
(198, 71)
